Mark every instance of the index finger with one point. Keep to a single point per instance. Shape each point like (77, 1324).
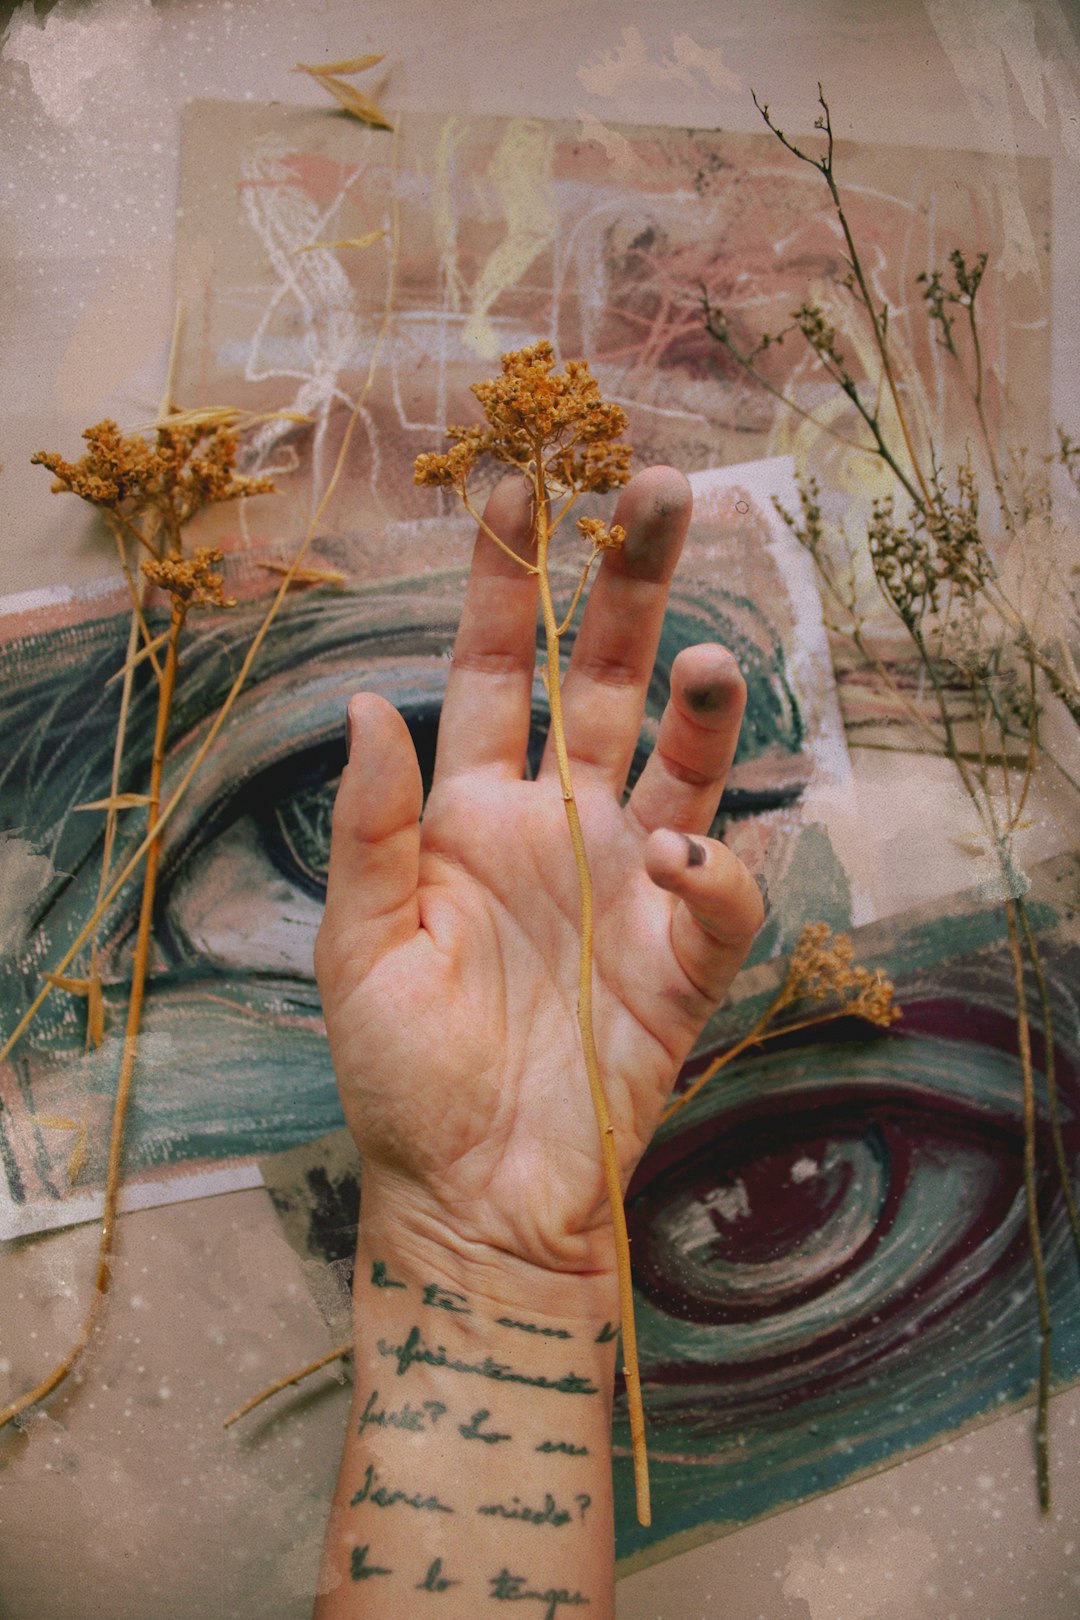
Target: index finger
(484, 724)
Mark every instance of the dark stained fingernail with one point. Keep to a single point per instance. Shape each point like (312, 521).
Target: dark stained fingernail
(696, 854)
(348, 734)
(707, 699)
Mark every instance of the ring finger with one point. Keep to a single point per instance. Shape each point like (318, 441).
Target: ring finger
(683, 779)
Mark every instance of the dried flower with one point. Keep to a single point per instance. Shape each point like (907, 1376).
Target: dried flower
(187, 466)
(602, 538)
(191, 580)
(822, 968)
(554, 421)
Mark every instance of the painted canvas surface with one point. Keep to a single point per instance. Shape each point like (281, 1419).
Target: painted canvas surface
(233, 1060)
(832, 1266)
(483, 234)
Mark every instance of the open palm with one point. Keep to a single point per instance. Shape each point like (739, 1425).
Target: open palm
(448, 959)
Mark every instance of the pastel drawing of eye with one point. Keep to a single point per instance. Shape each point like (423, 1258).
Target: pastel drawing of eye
(831, 1248)
(233, 1058)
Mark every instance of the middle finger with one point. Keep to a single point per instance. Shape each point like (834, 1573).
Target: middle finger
(607, 678)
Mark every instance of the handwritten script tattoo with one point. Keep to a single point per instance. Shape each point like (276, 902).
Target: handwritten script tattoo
(415, 1350)
(533, 1327)
(384, 1498)
(447, 1299)
(563, 1445)
(550, 1513)
(435, 1580)
(380, 1278)
(414, 1418)
(361, 1569)
(473, 1431)
(606, 1334)
(515, 1589)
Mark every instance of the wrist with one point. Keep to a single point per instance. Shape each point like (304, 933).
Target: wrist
(405, 1239)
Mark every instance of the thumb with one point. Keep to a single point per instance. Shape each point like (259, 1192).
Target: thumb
(371, 903)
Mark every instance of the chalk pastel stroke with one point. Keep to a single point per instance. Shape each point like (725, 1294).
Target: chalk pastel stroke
(602, 238)
(1025, 44)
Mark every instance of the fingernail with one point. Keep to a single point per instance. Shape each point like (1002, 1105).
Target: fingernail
(348, 734)
(696, 853)
(707, 699)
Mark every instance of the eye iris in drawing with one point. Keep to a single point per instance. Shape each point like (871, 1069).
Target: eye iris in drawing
(301, 822)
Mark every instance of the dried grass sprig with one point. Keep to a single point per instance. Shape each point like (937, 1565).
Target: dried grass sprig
(296, 1377)
(109, 892)
(822, 975)
(346, 95)
(565, 439)
(986, 664)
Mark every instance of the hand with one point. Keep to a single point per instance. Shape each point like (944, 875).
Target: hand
(448, 955)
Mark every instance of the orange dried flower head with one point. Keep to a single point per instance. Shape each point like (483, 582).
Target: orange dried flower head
(185, 467)
(603, 538)
(821, 968)
(539, 418)
(191, 580)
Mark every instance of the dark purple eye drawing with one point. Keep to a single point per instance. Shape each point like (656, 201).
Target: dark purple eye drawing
(831, 1250)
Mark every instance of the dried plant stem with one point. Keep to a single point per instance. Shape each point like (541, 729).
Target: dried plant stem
(576, 598)
(756, 1037)
(140, 965)
(157, 821)
(150, 642)
(279, 1384)
(1050, 1071)
(117, 768)
(604, 1126)
(1023, 1030)
(178, 793)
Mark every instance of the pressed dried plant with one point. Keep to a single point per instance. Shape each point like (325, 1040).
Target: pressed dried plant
(972, 579)
(328, 75)
(147, 490)
(555, 428)
(823, 982)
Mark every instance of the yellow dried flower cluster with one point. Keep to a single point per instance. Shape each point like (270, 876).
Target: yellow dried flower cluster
(185, 467)
(602, 538)
(821, 968)
(552, 421)
(191, 580)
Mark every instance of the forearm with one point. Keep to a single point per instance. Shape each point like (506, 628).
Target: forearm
(477, 1463)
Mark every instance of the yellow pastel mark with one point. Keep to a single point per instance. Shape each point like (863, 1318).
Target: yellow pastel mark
(345, 242)
(520, 171)
(452, 137)
(77, 1156)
